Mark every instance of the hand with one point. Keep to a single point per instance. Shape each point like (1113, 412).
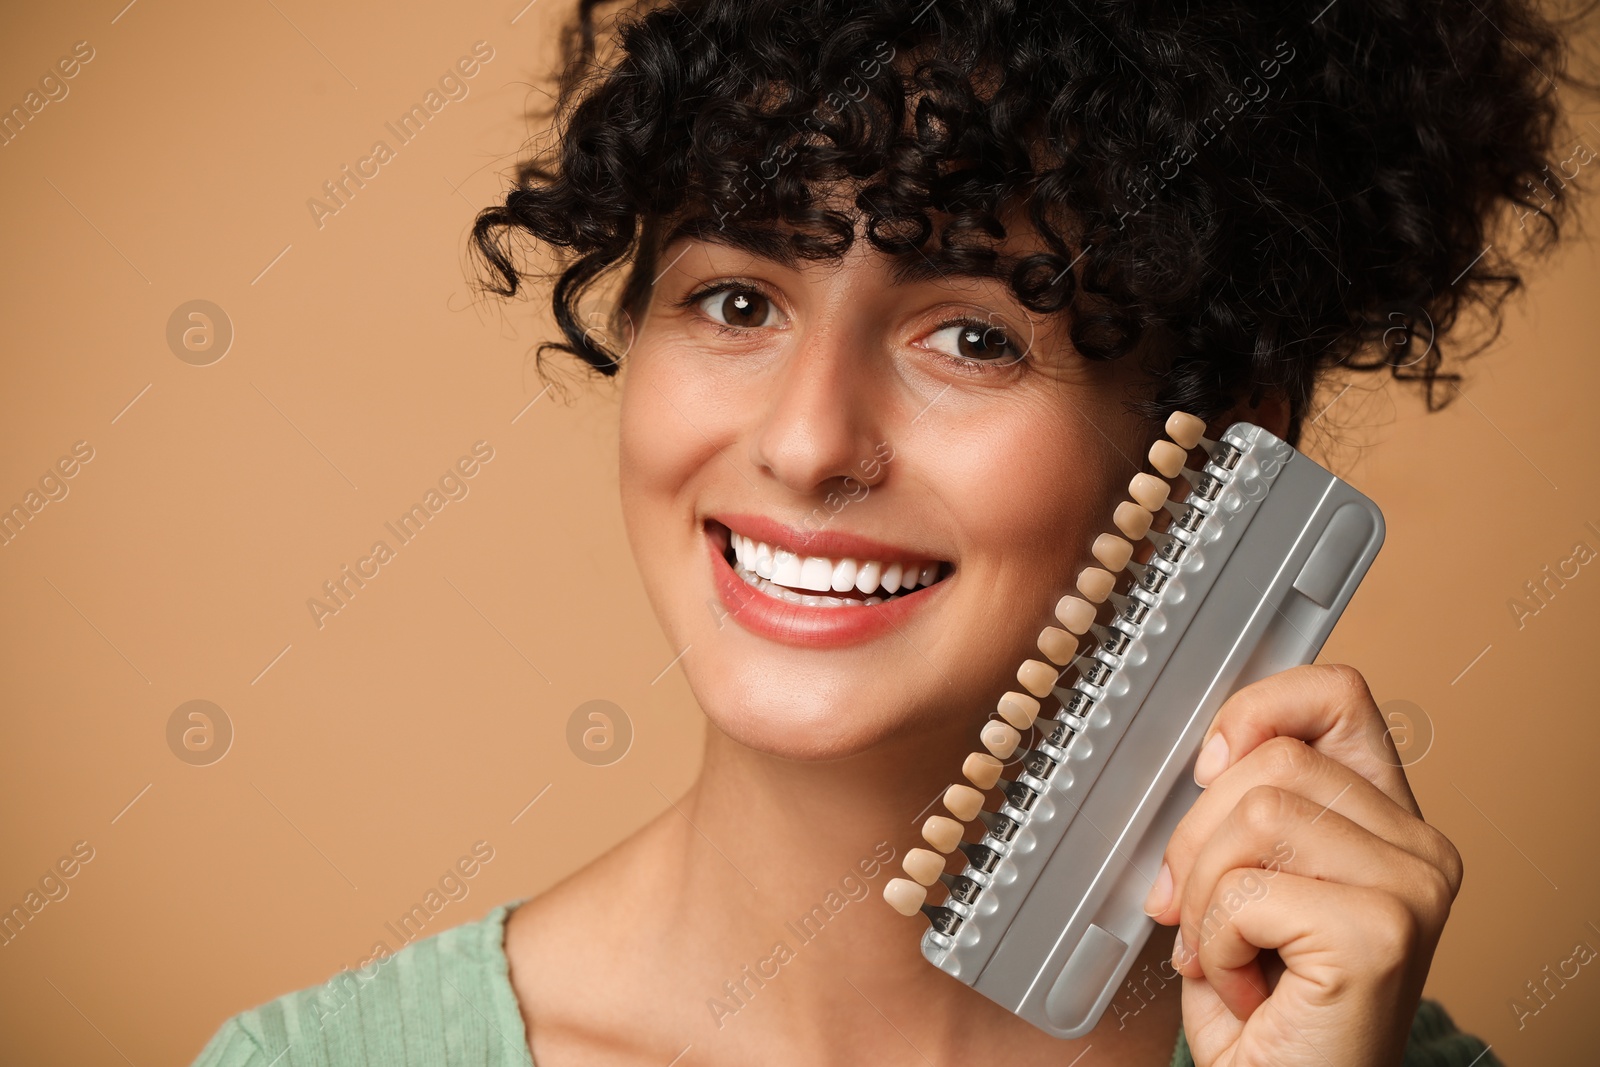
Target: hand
(1308, 892)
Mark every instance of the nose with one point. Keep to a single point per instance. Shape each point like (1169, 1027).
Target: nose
(821, 417)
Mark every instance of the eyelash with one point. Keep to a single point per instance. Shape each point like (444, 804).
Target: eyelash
(975, 366)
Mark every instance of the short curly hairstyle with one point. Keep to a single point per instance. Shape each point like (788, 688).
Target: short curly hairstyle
(1265, 191)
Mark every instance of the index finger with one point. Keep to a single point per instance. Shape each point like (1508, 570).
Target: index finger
(1328, 706)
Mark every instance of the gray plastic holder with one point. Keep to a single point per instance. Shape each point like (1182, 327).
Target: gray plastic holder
(1275, 559)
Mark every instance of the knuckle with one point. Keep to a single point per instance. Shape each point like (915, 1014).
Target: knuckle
(1348, 680)
(1337, 985)
(1393, 932)
(1289, 758)
(1438, 892)
(1261, 807)
(1349, 686)
(1449, 864)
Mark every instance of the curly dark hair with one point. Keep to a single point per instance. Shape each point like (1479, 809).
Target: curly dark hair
(1264, 191)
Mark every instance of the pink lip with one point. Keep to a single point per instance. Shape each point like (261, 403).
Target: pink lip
(796, 624)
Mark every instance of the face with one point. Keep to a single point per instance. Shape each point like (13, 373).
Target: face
(854, 501)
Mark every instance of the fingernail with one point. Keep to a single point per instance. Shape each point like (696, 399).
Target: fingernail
(1178, 954)
(1160, 893)
(1213, 760)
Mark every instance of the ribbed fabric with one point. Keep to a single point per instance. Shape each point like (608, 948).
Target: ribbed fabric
(1434, 1042)
(447, 999)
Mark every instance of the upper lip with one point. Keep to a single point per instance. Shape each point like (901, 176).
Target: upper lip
(832, 544)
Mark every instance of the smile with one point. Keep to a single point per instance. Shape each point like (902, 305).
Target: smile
(785, 574)
(817, 589)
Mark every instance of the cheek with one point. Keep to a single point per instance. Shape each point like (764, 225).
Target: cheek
(653, 457)
(669, 438)
(657, 445)
(1034, 493)
(1028, 496)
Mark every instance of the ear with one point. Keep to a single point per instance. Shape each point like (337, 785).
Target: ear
(1271, 413)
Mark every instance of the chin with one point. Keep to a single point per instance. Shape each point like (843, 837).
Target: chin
(802, 728)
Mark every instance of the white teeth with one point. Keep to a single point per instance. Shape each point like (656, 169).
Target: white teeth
(801, 598)
(773, 569)
(816, 572)
(785, 568)
(891, 577)
(869, 574)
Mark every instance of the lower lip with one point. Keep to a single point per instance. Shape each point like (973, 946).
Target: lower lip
(798, 624)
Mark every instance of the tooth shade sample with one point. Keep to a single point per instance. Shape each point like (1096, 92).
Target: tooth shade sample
(1167, 458)
(1132, 520)
(1058, 645)
(923, 866)
(1075, 613)
(1147, 490)
(844, 576)
(867, 577)
(981, 769)
(1186, 429)
(964, 802)
(1095, 583)
(942, 832)
(1037, 678)
(1112, 551)
(1019, 710)
(904, 896)
(999, 738)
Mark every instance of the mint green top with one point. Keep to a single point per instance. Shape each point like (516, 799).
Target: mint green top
(447, 999)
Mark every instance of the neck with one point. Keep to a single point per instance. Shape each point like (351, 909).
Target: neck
(781, 864)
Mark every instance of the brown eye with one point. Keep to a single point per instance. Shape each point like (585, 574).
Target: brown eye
(980, 342)
(739, 307)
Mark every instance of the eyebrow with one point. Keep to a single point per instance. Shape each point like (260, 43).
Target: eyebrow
(768, 242)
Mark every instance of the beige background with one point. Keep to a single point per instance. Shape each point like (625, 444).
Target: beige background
(373, 752)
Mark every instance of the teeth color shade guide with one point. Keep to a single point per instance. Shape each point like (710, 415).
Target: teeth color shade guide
(1245, 574)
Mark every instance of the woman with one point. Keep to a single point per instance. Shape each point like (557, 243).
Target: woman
(909, 287)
